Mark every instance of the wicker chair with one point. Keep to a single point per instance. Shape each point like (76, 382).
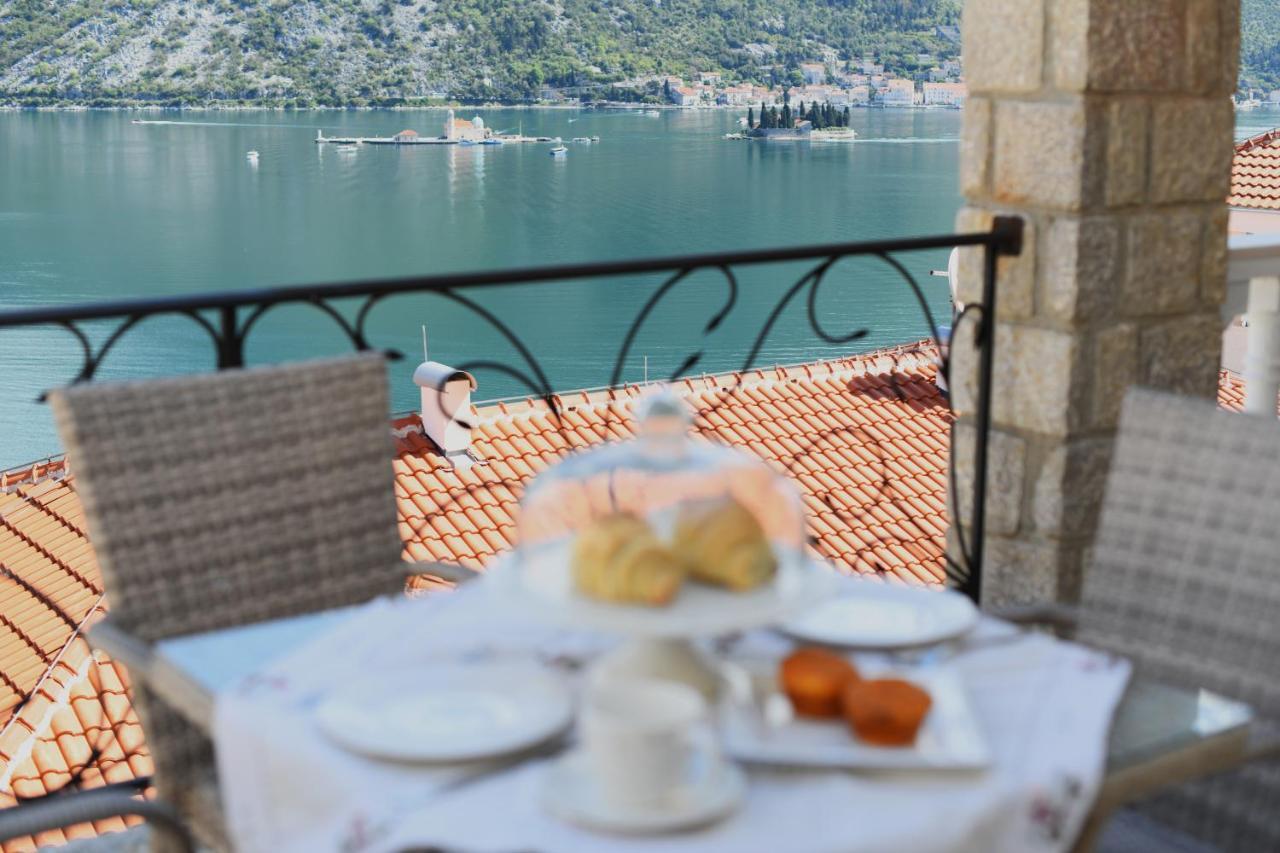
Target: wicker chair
(1185, 581)
(226, 499)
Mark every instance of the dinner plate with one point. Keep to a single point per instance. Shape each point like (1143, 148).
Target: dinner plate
(866, 615)
(453, 712)
(949, 738)
(713, 791)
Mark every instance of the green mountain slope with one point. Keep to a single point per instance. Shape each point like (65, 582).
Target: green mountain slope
(1260, 44)
(380, 51)
(343, 51)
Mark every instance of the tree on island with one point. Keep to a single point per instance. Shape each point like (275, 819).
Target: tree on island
(751, 118)
(786, 115)
(847, 116)
(786, 97)
(666, 90)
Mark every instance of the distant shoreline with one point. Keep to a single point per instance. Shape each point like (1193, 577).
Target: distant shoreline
(239, 108)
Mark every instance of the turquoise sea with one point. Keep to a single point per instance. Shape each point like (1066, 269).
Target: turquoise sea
(95, 207)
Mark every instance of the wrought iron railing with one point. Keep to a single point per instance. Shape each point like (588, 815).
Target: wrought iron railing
(227, 319)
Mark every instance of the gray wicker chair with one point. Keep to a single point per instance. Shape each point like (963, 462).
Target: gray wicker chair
(226, 499)
(1185, 581)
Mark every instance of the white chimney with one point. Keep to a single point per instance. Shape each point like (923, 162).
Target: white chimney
(446, 407)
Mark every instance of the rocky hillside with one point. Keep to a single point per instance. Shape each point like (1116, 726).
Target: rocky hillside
(1260, 44)
(352, 51)
(390, 51)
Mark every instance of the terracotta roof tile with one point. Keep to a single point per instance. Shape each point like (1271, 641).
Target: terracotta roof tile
(1255, 173)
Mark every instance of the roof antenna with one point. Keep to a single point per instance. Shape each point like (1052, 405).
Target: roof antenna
(424, 343)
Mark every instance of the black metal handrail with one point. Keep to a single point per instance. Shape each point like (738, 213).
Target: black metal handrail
(228, 317)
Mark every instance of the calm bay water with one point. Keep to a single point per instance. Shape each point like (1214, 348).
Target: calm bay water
(94, 207)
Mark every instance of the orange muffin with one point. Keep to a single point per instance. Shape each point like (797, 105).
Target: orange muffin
(813, 679)
(885, 711)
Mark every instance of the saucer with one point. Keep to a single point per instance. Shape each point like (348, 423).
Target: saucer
(713, 791)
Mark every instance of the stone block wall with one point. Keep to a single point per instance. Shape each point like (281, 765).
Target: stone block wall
(1107, 125)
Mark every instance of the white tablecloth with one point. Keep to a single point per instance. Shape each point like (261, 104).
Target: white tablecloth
(1045, 707)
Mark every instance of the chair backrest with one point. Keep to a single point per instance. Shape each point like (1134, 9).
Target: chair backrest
(1185, 581)
(236, 497)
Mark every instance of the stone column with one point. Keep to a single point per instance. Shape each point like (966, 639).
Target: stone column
(1107, 125)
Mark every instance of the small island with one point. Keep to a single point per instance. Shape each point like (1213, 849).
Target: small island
(817, 122)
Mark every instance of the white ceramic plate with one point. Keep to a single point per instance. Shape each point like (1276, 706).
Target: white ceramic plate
(713, 791)
(448, 713)
(544, 585)
(866, 615)
(949, 738)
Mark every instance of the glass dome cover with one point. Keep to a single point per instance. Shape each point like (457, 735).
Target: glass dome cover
(658, 520)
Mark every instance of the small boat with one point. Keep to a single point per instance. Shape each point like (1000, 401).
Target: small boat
(559, 151)
(586, 139)
(492, 140)
(466, 143)
(595, 139)
(252, 156)
(653, 113)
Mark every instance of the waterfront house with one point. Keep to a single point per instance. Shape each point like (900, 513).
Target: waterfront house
(945, 94)
(406, 136)
(737, 96)
(1255, 185)
(823, 94)
(898, 93)
(684, 96)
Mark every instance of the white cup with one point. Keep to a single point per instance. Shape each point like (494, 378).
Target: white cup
(641, 737)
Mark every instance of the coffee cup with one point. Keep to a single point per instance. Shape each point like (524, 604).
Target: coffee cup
(641, 737)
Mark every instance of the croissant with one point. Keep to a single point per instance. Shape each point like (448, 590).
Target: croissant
(723, 544)
(618, 558)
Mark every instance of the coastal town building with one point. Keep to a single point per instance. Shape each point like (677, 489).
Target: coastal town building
(897, 93)
(1255, 185)
(685, 96)
(944, 94)
(407, 135)
(833, 95)
(737, 96)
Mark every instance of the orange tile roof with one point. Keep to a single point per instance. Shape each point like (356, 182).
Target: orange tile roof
(866, 438)
(1255, 173)
(65, 713)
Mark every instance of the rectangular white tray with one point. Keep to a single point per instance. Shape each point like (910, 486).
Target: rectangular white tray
(950, 737)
